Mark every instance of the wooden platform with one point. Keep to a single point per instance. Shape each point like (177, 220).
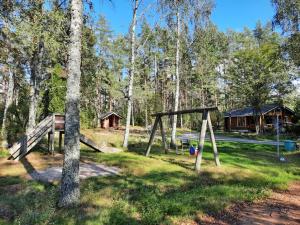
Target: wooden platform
(48, 126)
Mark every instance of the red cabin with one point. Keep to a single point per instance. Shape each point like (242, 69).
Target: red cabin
(110, 120)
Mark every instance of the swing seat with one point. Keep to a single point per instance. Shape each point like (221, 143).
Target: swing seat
(192, 150)
(185, 142)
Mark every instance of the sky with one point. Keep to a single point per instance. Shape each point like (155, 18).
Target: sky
(228, 14)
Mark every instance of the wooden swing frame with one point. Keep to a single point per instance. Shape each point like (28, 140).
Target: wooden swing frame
(205, 121)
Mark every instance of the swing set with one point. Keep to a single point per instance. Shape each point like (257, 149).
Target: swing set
(205, 121)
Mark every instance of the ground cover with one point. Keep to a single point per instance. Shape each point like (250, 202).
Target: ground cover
(161, 189)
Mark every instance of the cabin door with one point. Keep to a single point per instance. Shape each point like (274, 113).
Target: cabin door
(111, 121)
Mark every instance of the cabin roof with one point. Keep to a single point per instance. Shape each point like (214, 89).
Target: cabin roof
(105, 115)
(248, 111)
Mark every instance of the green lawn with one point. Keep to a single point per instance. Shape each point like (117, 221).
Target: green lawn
(161, 189)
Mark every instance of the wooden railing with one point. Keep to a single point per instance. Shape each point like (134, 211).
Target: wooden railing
(49, 125)
(28, 141)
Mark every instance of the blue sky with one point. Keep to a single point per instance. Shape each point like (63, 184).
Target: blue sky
(236, 14)
(228, 14)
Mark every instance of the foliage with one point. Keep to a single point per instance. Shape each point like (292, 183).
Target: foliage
(17, 116)
(57, 90)
(287, 17)
(211, 69)
(257, 72)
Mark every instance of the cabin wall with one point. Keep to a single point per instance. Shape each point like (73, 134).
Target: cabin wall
(111, 121)
(267, 121)
(105, 123)
(59, 122)
(239, 123)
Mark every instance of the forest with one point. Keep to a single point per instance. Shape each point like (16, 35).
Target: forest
(181, 61)
(61, 56)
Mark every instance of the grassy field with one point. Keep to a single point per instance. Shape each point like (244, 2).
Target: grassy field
(161, 189)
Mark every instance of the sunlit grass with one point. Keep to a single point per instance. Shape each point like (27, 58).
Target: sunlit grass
(160, 189)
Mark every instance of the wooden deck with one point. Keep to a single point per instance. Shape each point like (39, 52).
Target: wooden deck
(48, 126)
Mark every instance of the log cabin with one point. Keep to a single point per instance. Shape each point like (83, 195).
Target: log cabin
(244, 119)
(110, 120)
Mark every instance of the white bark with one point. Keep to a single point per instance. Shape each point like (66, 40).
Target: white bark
(98, 104)
(8, 102)
(70, 190)
(131, 75)
(173, 135)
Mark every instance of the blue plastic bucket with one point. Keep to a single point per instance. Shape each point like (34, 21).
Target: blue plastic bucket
(289, 145)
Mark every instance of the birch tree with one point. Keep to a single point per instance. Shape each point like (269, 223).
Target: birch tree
(70, 191)
(287, 16)
(131, 73)
(8, 102)
(196, 11)
(174, 122)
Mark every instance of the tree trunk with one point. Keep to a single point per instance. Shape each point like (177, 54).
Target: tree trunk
(35, 80)
(110, 103)
(132, 114)
(257, 121)
(131, 75)
(70, 191)
(98, 104)
(146, 116)
(8, 101)
(146, 103)
(173, 137)
(156, 83)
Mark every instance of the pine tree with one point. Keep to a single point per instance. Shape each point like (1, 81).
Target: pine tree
(70, 190)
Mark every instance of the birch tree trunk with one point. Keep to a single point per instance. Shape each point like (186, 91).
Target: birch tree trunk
(98, 104)
(8, 102)
(146, 116)
(132, 114)
(176, 100)
(70, 191)
(131, 75)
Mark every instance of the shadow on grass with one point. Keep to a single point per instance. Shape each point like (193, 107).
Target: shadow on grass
(140, 148)
(200, 193)
(155, 196)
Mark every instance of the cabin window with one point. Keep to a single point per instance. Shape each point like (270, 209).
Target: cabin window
(269, 120)
(241, 121)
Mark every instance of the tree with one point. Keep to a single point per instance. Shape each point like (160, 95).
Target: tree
(196, 11)
(258, 72)
(131, 73)
(30, 27)
(287, 14)
(70, 190)
(8, 101)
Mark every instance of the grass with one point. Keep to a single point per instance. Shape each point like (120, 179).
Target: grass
(161, 189)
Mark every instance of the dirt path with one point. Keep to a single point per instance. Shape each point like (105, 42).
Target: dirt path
(280, 208)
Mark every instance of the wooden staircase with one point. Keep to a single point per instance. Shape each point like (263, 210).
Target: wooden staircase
(28, 141)
(49, 125)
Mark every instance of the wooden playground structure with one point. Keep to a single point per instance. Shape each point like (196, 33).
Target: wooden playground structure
(48, 126)
(205, 121)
